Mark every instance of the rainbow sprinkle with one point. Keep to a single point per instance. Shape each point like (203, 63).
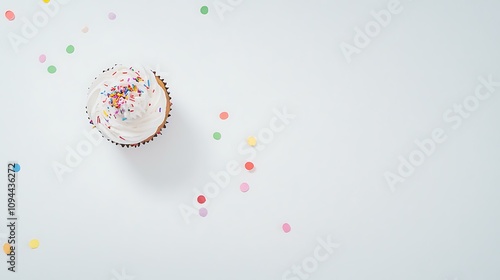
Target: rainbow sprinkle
(120, 95)
(119, 98)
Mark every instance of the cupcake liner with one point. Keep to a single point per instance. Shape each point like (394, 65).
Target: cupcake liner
(151, 138)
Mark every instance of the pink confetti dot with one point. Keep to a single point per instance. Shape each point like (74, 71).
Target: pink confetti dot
(244, 187)
(10, 15)
(203, 212)
(112, 16)
(42, 58)
(286, 228)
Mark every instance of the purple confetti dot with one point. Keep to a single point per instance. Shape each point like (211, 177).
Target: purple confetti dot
(203, 212)
(112, 16)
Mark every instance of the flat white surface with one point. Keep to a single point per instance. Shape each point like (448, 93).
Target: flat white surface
(118, 211)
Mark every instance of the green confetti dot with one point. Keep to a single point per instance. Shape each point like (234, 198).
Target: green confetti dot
(204, 10)
(217, 135)
(52, 69)
(70, 49)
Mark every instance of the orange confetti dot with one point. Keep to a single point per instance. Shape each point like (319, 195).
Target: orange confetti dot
(249, 165)
(223, 116)
(6, 248)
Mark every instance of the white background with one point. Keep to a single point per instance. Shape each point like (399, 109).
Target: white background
(323, 174)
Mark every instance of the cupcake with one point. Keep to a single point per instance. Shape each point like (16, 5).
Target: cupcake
(128, 105)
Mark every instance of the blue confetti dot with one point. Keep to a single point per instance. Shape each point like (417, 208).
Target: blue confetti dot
(16, 167)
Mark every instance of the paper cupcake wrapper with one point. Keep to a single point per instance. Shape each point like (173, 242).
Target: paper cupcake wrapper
(153, 136)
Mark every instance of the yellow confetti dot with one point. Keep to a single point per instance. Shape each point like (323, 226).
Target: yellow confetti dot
(105, 113)
(6, 248)
(46, 1)
(252, 141)
(34, 243)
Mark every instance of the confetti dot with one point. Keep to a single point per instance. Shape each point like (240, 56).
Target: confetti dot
(112, 16)
(85, 29)
(201, 199)
(52, 69)
(46, 1)
(204, 10)
(252, 141)
(6, 248)
(70, 49)
(223, 116)
(249, 165)
(203, 212)
(10, 15)
(42, 58)
(286, 228)
(34, 243)
(16, 167)
(244, 187)
(217, 135)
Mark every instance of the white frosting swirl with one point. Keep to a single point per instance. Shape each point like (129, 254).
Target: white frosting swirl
(127, 104)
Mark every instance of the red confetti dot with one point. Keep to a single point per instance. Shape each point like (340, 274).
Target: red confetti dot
(223, 116)
(201, 199)
(10, 15)
(249, 165)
